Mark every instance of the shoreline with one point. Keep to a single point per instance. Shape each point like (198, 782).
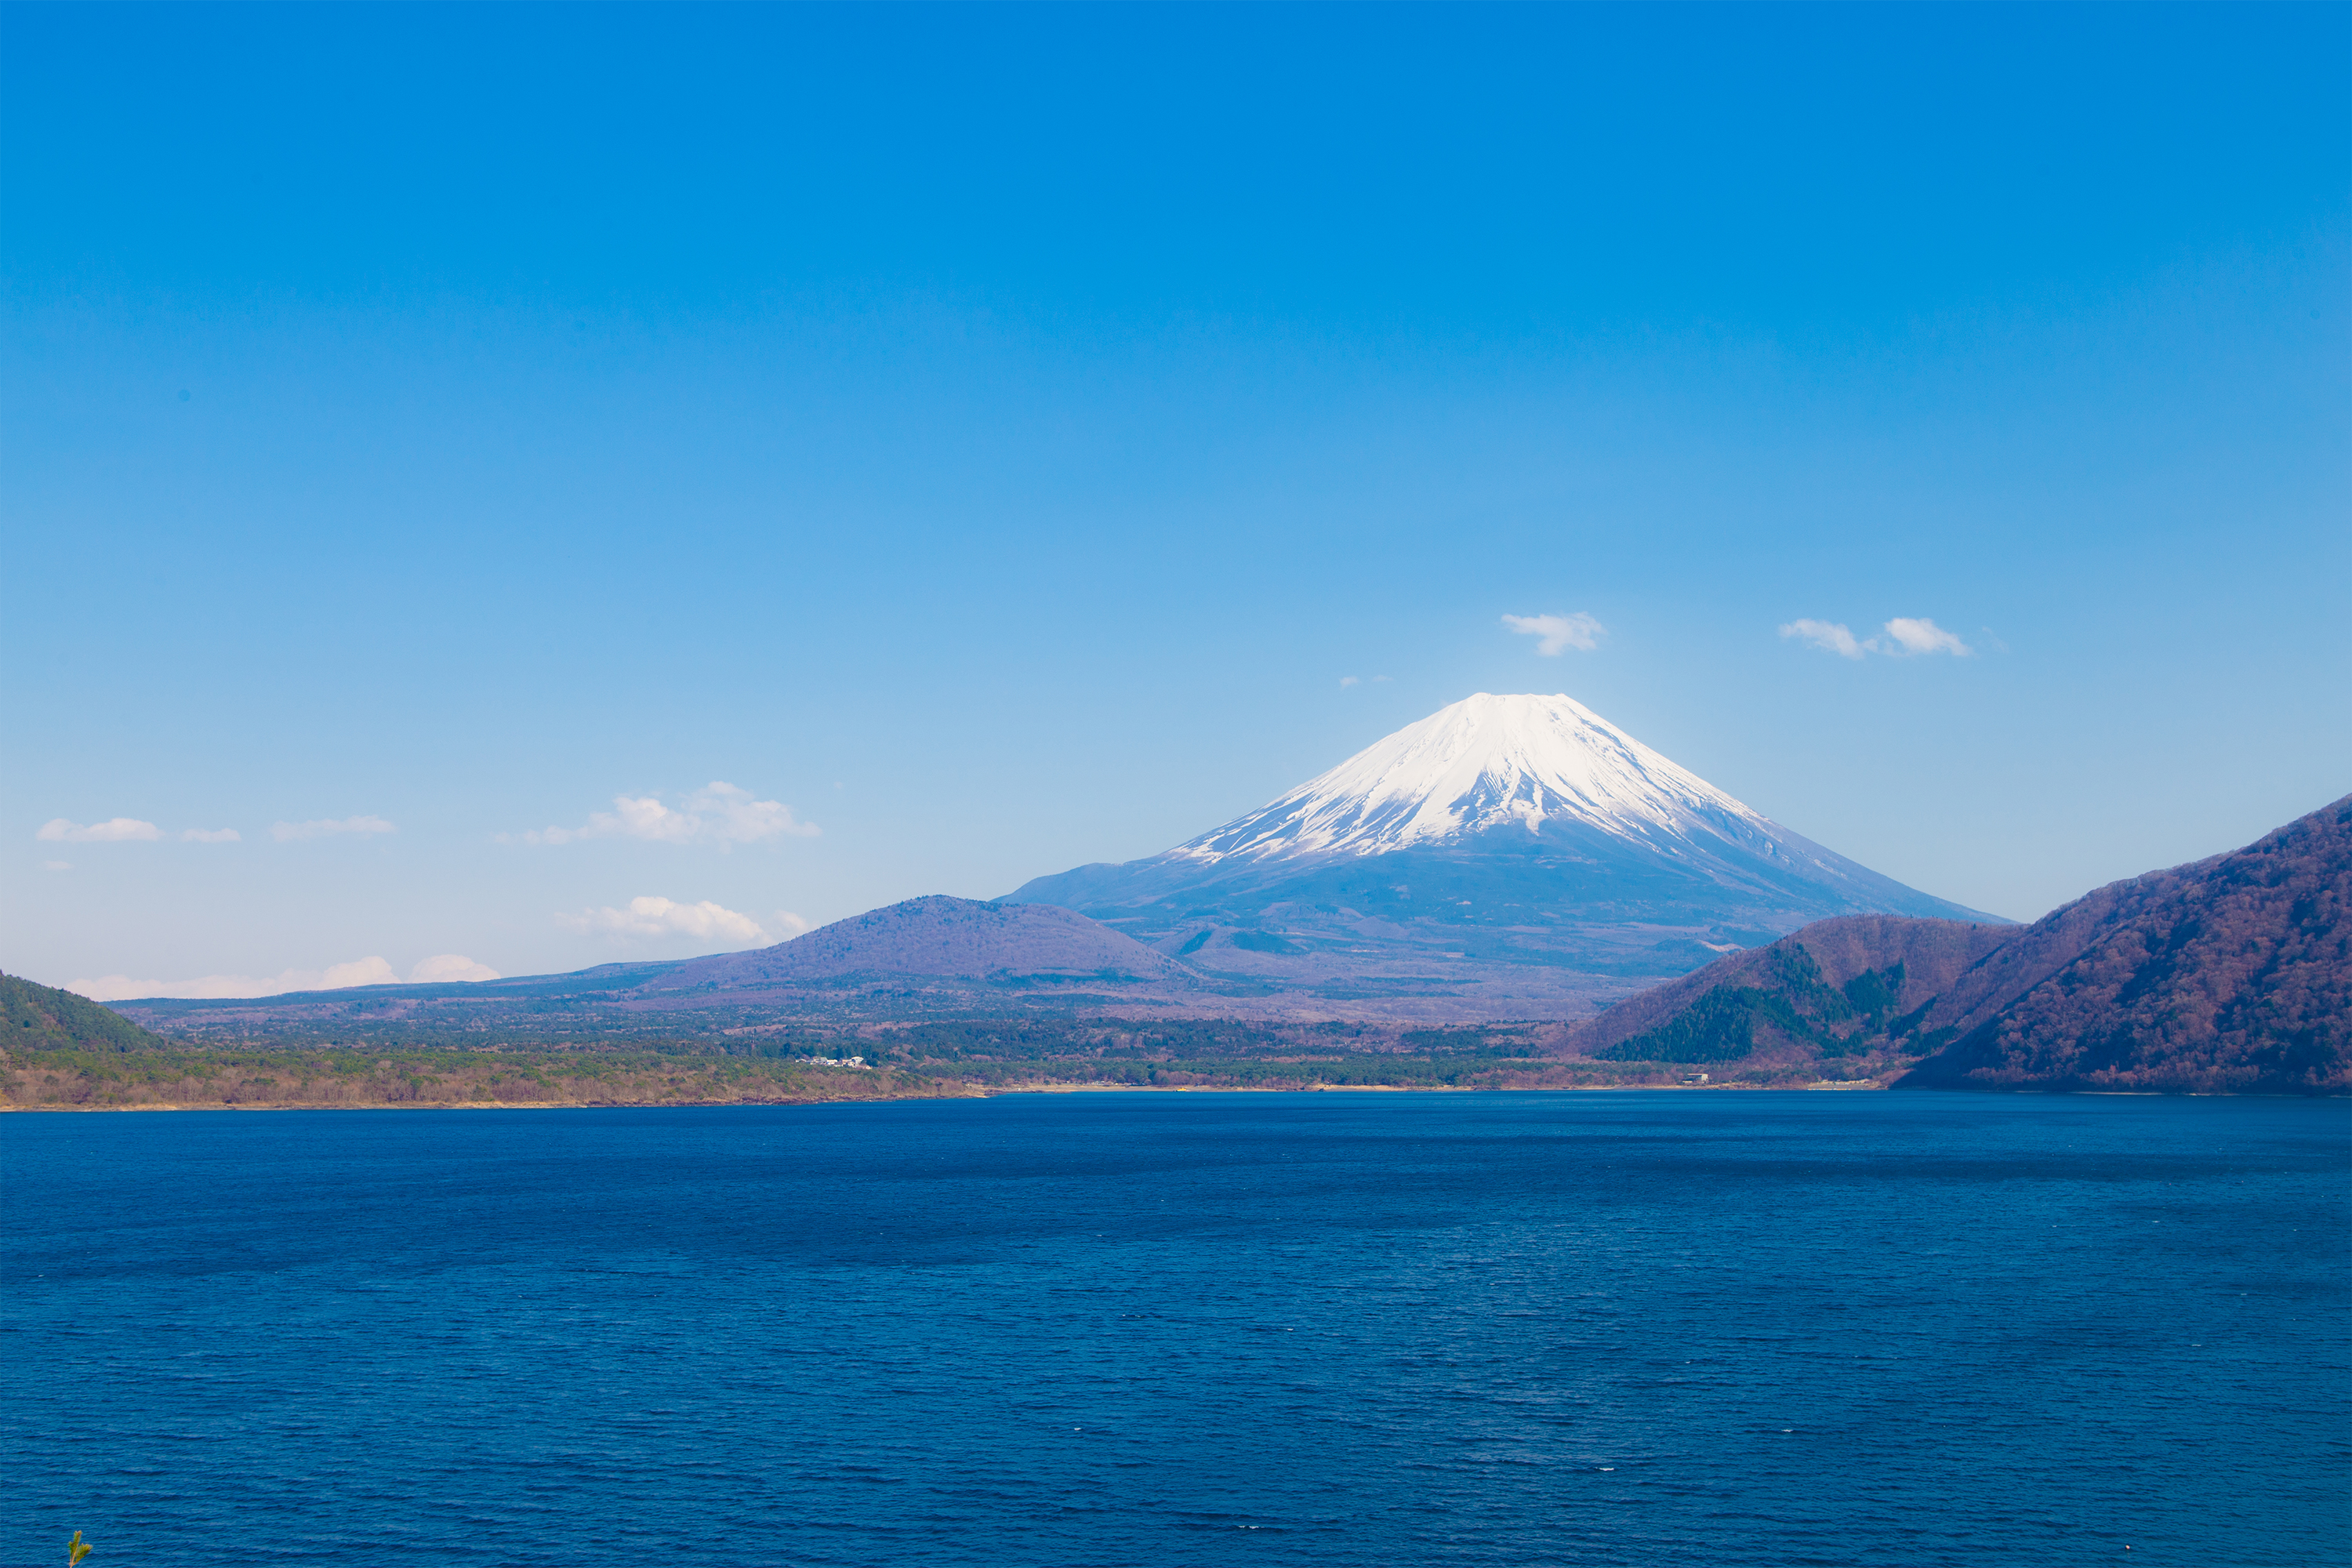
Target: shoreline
(978, 1092)
(973, 1092)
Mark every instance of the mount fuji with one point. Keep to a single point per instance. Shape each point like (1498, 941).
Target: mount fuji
(1521, 848)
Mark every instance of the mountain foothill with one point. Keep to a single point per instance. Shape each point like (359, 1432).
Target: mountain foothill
(42, 1018)
(1519, 858)
(2233, 975)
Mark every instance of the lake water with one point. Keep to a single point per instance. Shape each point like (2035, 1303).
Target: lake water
(1158, 1329)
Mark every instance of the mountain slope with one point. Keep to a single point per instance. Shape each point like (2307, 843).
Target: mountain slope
(1520, 852)
(41, 1017)
(1530, 799)
(931, 939)
(920, 958)
(1837, 984)
(2230, 974)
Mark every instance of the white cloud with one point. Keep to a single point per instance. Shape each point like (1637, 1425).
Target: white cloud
(1558, 633)
(443, 968)
(334, 977)
(663, 917)
(121, 987)
(719, 813)
(212, 836)
(439, 968)
(1903, 638)
(791, 924)
(287, 832)
(1826, 636)
(1347, 681)
(57, 865)
(1923, 636)
(113, 830)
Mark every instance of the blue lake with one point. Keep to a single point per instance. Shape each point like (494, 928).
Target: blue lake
(1159, 1328)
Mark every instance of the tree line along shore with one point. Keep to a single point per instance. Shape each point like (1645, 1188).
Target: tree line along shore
(60, 1051)
(261, 1076)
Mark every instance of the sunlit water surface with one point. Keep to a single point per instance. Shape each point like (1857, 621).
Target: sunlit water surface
(1334, 1329)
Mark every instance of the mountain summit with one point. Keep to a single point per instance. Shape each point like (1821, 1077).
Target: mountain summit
(1512, 830)
(1485, 763)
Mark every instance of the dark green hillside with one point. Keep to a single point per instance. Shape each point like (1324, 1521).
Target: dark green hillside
(1794, 1002)
(41, 1017)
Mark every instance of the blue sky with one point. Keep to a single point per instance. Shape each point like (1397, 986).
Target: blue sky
(991, 438)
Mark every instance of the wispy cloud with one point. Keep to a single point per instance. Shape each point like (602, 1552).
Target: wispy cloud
(1347, 681)
(1923, 636)
(1902, 639)
(650, 917)
(113, 830)
(440, 969)
(791, 924)
(1557, 633)
(125, 830)
(719, 813)
(1825, 635)
(443, 968)
(57, 865)
(334, 977)
(290, 832)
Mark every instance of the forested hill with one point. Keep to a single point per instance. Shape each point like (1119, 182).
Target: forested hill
(41, 1017)
(2230, 976)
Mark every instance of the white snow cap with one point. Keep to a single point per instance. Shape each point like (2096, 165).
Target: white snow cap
(1485, 763)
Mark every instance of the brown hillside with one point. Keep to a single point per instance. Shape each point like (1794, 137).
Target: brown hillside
(2231, 974)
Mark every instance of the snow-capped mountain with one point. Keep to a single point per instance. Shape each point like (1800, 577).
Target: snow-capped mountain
(1487, 762)
(1499, 830)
